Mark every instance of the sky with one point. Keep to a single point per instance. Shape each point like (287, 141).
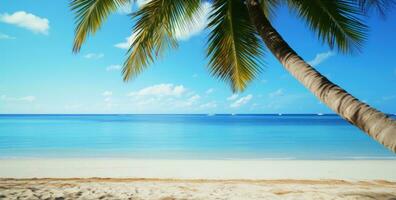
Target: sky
(40, 74)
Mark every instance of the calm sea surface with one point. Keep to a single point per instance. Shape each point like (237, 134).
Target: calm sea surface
(185, 137)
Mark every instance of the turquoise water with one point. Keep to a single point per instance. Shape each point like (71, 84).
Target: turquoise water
(185, 137)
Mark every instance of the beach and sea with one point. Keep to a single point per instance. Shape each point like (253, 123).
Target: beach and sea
(304, 156)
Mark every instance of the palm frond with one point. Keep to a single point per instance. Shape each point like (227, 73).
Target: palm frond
(234, 50)
(154, 31)
(336, 22)
(90, 14)
(380, 6)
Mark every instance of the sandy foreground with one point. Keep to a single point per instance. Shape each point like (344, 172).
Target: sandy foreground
(196, 179)
(168, 189)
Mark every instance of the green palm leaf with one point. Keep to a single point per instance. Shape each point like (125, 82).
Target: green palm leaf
(90, 15)
(336, 22)
(233, 48)
(154, 31)
(381, 6)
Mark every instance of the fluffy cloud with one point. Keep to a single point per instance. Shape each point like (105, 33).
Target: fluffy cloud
(194, 98)
(127, 43)
(196, 26)
(320, 57)
(162, 98)
(113, 68)
(94, 55)
(160, 90)
(26, 20)
(18, 99)
(189, 102)
(241, 101)
(232, 97)
(6, 37)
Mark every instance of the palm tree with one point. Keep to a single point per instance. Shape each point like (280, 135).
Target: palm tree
(235, 50)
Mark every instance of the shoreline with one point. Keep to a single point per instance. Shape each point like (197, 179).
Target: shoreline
(349, 170)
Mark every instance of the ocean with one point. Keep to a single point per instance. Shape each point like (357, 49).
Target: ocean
(278, 137)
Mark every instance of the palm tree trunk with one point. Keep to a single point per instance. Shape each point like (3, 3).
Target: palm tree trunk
(375, 123)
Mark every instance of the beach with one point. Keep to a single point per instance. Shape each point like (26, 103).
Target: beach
(168, 189)
(168, 157)
(196, 179)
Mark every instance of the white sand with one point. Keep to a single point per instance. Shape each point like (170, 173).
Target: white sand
(182, 179)
(194, 189)
(199, 169)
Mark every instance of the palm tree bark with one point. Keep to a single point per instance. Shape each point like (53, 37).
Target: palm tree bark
(375, 123)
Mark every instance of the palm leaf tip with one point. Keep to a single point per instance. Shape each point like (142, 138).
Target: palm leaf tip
(337, 23)
(380, 6)
(89, 16)
(155, 31)
(233, 48)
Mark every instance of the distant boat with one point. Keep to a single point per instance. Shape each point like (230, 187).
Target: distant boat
(280, 114)
(320, 114)
(211, 114)
(233, 114)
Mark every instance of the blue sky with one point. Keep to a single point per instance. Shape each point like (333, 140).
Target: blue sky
(39, 73)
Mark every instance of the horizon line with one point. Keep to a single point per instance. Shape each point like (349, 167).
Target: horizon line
(277, 114)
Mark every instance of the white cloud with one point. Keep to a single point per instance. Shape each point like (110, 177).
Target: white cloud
(211, 104)
(26, 20)
(241, 101)
(162, 98)
(6, 37)
(209, 91)
(160, 90)
(189, 102)
(107, 93)
(197, 25)
(127, 43)
(277, 93)
(194, 98)
(125, 9)
(320, 57)
(141, 3)
(232, 97)
(113, 68)
(94, 55)
(18, 99)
